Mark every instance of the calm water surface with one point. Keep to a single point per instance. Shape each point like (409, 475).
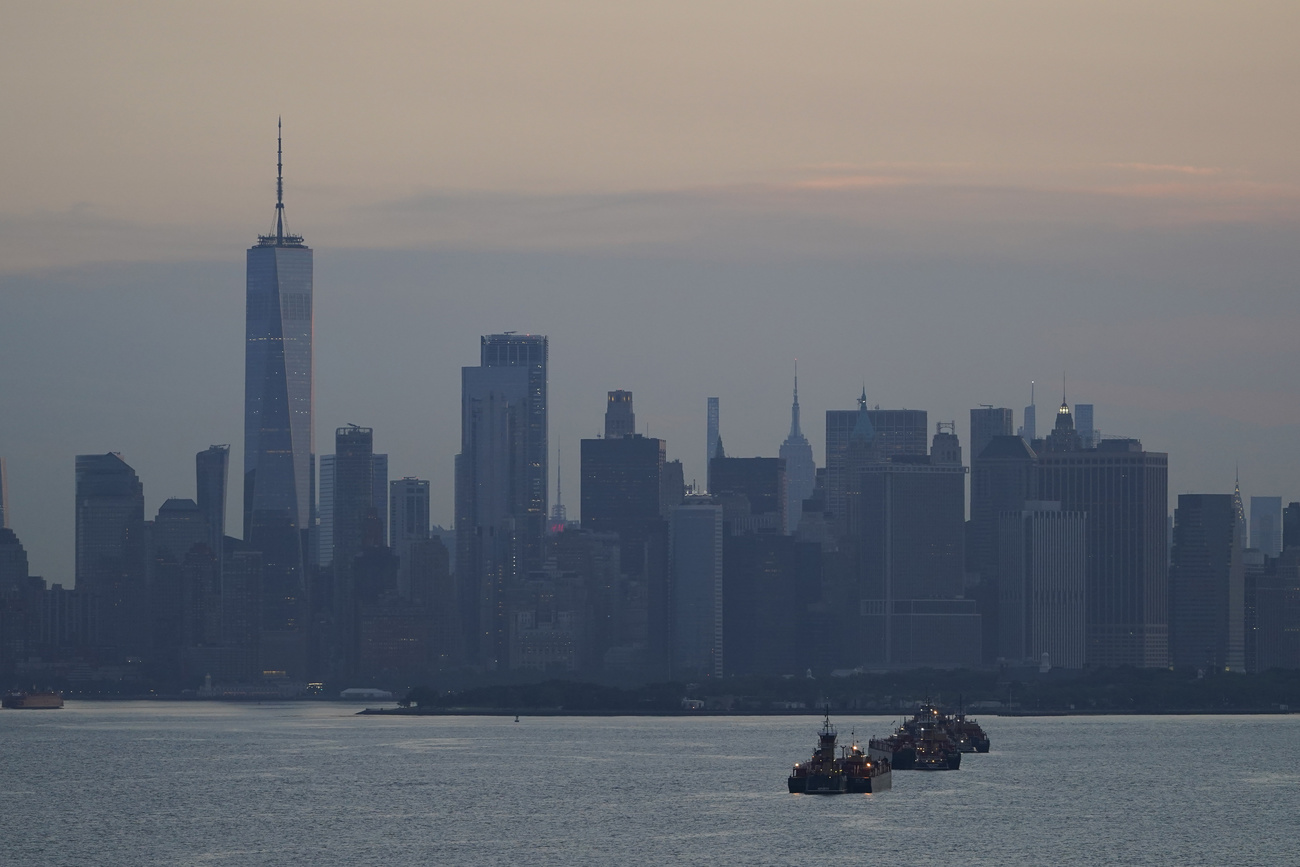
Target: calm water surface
(205, 783)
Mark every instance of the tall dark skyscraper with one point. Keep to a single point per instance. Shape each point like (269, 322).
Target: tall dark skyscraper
(528, 352)
(621, 482)
(1207, 585)
(278, 443)
(498, 516)
(620, 420)
(1266, 525)
(111, 547)
(354, 491)
(4, 495)
(1125, 493)
(1003, 477)
(894, 433)
(987, 422)
(1291, 526)
(211, 471)
(800, 471)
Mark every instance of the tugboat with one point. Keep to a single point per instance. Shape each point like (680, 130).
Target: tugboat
(969, 732)
(19, 700)
(852, 771)
(935, 751)
(899, 749)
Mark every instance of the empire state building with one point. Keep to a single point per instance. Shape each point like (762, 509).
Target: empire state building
(278, 443)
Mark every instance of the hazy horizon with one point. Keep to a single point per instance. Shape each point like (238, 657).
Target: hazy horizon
(943, 201)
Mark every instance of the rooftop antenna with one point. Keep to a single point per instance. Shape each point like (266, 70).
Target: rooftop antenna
(279, 180)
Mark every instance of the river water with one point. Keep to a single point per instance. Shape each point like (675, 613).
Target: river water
(313, 783)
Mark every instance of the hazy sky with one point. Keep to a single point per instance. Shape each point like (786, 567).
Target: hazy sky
(944, 200)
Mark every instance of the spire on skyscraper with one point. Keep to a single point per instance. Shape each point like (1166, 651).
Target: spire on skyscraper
(279, 180)
(559, 517)
(862, 428)
(1238, 507)
(281, 237)
(796, 435)
(800, 471)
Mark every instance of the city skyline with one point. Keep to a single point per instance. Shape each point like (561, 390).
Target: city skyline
(1139, 233)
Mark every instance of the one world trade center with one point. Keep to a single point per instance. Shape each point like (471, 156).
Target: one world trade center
(278, 445)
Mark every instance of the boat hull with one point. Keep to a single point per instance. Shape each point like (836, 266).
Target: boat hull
(33, 701)
(839, 784)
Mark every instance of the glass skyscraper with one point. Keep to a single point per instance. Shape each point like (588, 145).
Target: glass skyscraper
(278, 446)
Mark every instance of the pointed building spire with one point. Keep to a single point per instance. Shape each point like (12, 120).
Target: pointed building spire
(559, 516)
(1238, 506)
(281, 236)
(795, 433)
(279, 180)
(863, 429)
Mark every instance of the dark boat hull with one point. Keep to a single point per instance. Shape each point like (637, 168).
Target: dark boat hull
(839, 784)
(33, 701)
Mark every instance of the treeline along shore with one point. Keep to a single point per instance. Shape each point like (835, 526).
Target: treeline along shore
(1097, 691)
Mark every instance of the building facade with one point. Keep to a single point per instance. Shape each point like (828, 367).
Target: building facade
(1043, 575)
(1124, 492)
(800, 469)
(278, 432)
(1207, 585)
(697, 581)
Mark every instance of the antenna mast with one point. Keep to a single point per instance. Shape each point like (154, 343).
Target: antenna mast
(279, 180)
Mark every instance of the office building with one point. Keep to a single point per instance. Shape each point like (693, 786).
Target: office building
(528, 352)
(800, 470)
(379, 496)
(1003, 477)
(894, 433)
(908, 519)
(13, 564)
(1124, 492)
(713, 430)
(378, 501)
(408, 506)
(1207, 585)
(769, 583)
(211, 471)
(622, 480)
(987, 422)
(493, 501)
(1266, 525)
(1088, 435)
(753, 492)
(325, 513)
(278, 431)
(620, 421)
(1042, 586)
(1291, 526)
(354, 492)
(945, 447)
(4, 495)
(697, 582)
(1030, 429)
(110, 552)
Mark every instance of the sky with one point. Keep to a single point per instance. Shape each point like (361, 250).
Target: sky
(941, 201)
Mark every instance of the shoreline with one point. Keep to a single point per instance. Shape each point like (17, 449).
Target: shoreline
(561, 712)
